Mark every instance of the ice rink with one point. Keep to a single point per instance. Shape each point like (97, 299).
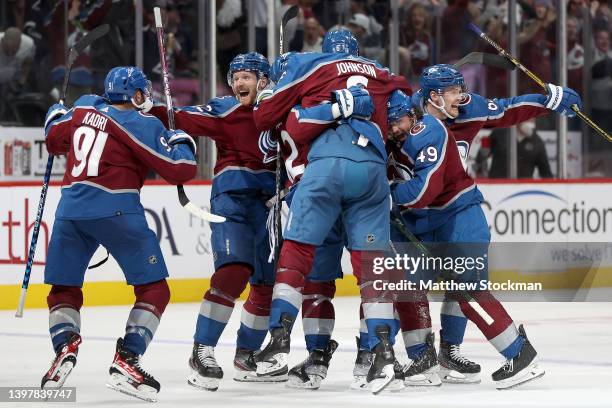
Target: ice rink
(574, 342)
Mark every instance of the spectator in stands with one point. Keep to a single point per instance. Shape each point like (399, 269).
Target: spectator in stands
(537, 40)
(16, 56)
(601, 90)
(229, 35)
(602, 16)
(368, 33)
(575, 55)
(531, 152)
(308, 37)
(415, 42)
(117, 48)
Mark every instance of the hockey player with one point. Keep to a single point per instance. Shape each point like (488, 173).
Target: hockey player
(465, 114)
(345, 175)
(243, 182)
(318, 316)
(445, 206)
(111, 143)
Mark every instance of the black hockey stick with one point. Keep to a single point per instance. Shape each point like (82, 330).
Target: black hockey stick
(290, 14)
(484, 58)
(75, 50)
(183, 199)
(536, 79)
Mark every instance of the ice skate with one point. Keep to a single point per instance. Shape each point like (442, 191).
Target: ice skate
(519, 370)
(205, 372)
(311, 372)
(381, 372)
(272, 360)
(424, 371)
(62, 364)
(246, 368)
(128, 377)
(455, 368)
(361, 368)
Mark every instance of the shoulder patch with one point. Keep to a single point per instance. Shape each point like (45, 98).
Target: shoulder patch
(466, 100)
(417, 128)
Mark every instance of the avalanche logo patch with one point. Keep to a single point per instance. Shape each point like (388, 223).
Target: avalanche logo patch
(418, 128)
(152, 259)
(267, 146)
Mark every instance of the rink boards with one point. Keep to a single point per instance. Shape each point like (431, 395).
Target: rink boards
(574, 212)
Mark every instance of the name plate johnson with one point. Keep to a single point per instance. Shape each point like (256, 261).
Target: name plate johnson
(35, 394)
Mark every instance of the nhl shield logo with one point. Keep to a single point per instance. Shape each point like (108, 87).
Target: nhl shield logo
(152, 259)
(370, 238)
(267, 146)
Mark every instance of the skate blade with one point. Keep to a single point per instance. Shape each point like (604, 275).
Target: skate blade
(527, 374)
(251, 376)
(204, 383)
(313, 383)
(455, 377)
(278, 365)
(62, 373)
(119, 383)
(428, 378)
(359, 383)
(379, 384)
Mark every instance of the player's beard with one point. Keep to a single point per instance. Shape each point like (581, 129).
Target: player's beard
(245, 95)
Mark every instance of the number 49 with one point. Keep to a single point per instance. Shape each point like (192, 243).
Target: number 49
(93, 141)
(432, 155)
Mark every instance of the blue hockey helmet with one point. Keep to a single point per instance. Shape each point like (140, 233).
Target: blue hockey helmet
(278, 66)
(341, 40)
(122, 82)
(252, 61)
(438, 77)
(399, 105)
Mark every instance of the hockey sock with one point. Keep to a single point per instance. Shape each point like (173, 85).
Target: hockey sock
(494, 322)
(364, 342)
(254, 318)
(378, 306)
(294, 264)
(415, 323)
(64, 313)
(318, 314)
(226, 285)
(452, 320)
(151, 301)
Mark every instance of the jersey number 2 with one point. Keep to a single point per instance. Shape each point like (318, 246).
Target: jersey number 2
(84, 141)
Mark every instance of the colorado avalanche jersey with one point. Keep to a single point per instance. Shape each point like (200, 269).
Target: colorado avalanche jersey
(310, 79)
(477, 112)
(245, 157)
(437, 184)
(109, 153)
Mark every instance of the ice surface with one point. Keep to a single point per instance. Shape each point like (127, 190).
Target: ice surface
(573, 341)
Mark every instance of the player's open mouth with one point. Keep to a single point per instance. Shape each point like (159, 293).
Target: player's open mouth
(243, 94)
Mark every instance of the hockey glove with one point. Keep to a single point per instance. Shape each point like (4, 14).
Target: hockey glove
(179, 137)
(56, 111)
(560, 99)
(354, 101)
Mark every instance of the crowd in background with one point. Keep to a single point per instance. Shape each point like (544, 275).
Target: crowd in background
(33, 50)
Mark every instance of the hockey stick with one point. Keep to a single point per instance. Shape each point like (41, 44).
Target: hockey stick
(75, 50)
(536, 79)
(183, 199)
(483, 58)
(290, 14)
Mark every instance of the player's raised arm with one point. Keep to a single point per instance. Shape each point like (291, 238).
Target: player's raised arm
(274, 105)
(170, 153)
(57, 129)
